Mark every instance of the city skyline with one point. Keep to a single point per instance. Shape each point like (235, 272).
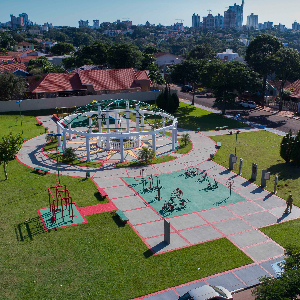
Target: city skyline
(68, 13)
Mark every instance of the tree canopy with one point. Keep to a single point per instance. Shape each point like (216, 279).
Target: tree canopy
(11, 86)
(62, 49)
(204, 51)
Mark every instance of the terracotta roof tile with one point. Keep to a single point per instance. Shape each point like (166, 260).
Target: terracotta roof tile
(12, 67)
(56, 82)
(24, 44)
(296, 86)
(26, 58)
(109, 79)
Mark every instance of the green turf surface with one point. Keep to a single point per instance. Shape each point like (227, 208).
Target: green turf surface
(285, 234)
(191, 117)
(184, 149)
(261, 147)
(200, 196)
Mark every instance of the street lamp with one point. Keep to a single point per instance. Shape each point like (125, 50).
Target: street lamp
(19, 102)
(236, 135)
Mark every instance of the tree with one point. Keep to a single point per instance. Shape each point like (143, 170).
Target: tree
(286, 63)
(188, 71)
(43, 65)
(287, 286)
(121, 56)
(258, 56)
(295, 153)
(146, 154)
(228, 80)
(155, 75)
(9, 147)
(62, 48)
(287, 146)
(69, 154)
(167, 101)
(11, 86)
(186, 138)
(204, 51)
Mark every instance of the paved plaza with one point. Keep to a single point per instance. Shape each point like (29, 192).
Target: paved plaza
(206, 215)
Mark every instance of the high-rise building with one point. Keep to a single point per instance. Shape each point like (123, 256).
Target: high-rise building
(96, 24)
(83, 23)
(209, 22)
(238, 9)
(295, 26)
(25, 18)
(16, 21)
(252, 21)
(195, 21)
(268, 25)
(219, 21)
(229, 19)
(178, 26)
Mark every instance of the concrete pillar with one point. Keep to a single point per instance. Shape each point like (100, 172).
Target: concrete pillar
(87, 142)
(70, 134)
(127, 117)
(122, 150)
(154, 142)
(59, 137)
(164, 124)
(143, 122)
(107, 120)
(137, 118)
(99, 119)
(90, 124)
(64, 139)
(174, 136)
(116, 121)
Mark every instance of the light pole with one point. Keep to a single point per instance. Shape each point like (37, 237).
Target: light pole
(236, 135)
(19, 102)
(58, 135)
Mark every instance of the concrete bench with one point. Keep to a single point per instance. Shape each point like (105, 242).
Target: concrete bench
(39, 169)
(219, 145)
(122, 216)
(102, 192)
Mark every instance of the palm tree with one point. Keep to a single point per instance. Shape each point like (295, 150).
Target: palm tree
(186, 138)
(146, 154)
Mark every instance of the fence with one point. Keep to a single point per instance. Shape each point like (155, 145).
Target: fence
(52, 103)
(287, 105)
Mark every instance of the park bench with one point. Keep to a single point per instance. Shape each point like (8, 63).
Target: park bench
(219, 145)
(39, 169)
(102, 192)
(122, 216)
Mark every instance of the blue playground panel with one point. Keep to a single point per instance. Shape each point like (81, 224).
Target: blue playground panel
(198, 193)
(46, 215)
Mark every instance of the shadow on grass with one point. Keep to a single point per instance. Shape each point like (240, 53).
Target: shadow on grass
(155, 249)
(148, 253)
(29, 228)
(99, 197)
(285, 171)
(118, 221)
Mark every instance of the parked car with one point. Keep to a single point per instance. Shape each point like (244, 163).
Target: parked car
(207, 292)
(250, 104)
(187, 88)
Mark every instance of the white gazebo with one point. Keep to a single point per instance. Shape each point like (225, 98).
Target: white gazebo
(117, 124)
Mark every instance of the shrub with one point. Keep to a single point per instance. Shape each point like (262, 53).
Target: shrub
(286, 146)
(69, 154)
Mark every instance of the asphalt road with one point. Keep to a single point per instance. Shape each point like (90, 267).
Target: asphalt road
(269, 119)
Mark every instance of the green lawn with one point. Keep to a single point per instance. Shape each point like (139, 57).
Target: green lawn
(285, 234)
(191, 117)
(183, 149)
(261, 147)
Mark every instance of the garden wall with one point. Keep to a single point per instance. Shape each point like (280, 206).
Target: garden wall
(52, 103)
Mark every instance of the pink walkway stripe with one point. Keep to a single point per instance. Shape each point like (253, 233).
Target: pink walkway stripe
(97, 209)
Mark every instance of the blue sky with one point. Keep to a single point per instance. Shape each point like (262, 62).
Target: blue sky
(69, 12)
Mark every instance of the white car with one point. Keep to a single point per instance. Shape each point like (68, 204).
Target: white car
(250, 104)
(207, 292)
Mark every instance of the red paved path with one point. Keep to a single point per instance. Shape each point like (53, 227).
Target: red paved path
(96, 209)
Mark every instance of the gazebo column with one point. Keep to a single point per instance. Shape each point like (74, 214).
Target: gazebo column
(164, 125)
(64, 139)
(127, 116)
(99, 119)
(122, 149)
(154, 142)
(87, 143)
(58, 132)
(116, 120)
(143, 122)
(137, 118)
(174, 138)
(107, 129)
(70, 134)
(90, 124)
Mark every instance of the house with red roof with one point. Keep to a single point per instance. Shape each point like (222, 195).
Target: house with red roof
(24, 46)
(16, 68)
(89, 82)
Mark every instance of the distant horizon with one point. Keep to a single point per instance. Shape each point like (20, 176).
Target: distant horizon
(68, 13)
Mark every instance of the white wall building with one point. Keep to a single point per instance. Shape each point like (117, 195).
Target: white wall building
(228, 55)
(252, 21)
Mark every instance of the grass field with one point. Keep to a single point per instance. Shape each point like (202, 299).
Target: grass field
(191, 117)
(101, 259)
(261, 147)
